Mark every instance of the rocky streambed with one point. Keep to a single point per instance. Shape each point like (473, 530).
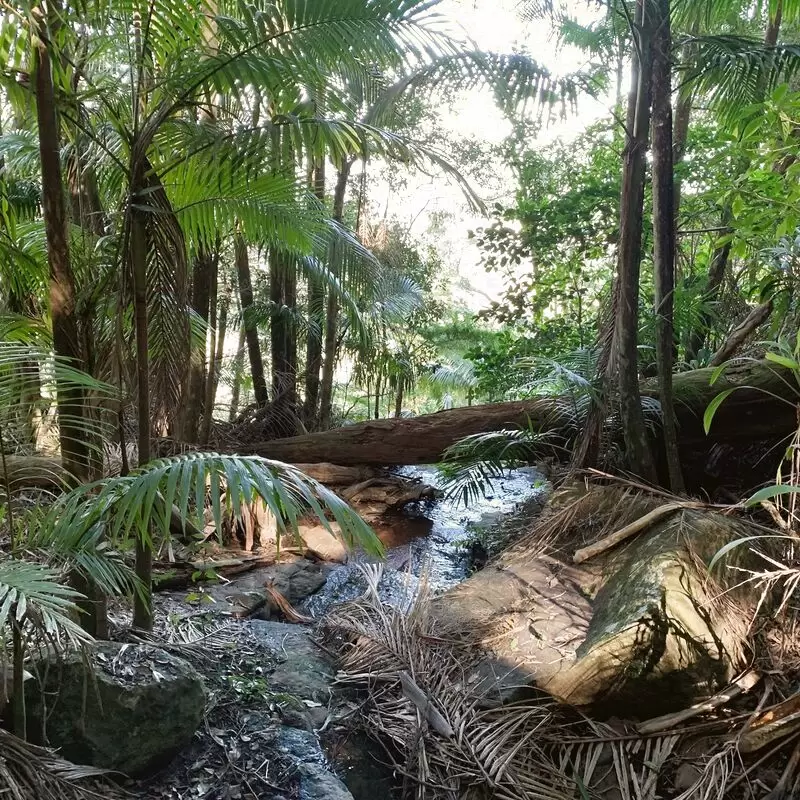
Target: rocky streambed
(274, 725)
(639, 629)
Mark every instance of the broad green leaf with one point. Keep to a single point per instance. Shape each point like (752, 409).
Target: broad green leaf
(768, 492)
(713, 406)
(784, 361)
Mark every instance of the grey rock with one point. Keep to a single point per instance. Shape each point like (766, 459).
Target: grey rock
(317, 782)
(129, 708)
(295, 578)
(303, 670)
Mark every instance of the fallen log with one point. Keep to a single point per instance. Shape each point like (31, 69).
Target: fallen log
(748, 414)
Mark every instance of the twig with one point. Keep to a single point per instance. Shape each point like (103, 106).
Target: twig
(425, 706)
(629, 531)
(668, 721)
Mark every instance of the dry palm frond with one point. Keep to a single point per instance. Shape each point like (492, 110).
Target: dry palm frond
(578, 516)
(438, 731)
(36, 773)
(714, 781)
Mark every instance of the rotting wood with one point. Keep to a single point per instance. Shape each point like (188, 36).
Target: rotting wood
(772, 724)
(754, 412)
(629, 531)
(741, 333)
(669, 721)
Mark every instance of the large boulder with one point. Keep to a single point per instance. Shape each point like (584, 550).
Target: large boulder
(128, 708)
(643, 630)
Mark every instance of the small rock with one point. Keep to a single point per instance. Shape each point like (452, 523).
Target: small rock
(303, 670)
(322, 543)
(317, 782)
(131, 710)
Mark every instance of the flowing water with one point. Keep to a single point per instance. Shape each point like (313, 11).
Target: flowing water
(430, 539)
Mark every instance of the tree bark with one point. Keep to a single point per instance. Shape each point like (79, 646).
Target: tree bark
(203, 284)
(763, 407)
(142, 607)
(316, 322)
(248, 323)
(283, 338)
(217, 349)
(398, 400)
(741, 333)
(66, 342)
(332, 311)
(639, 457)
(238, 369)
(664, 234)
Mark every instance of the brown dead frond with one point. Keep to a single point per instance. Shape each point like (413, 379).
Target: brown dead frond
(582, 513)
(36, 773)
(424, 708)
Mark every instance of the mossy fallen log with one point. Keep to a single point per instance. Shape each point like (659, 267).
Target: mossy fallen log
(758, 411)
(642, 630)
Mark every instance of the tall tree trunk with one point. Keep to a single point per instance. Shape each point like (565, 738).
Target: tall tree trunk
(664, 233)
(203, 284)
(638, 453)
(66, 342)
(332, 310)
(378, 394)
(248, 323)
(66, 339)
(682, 119)
(316, 322)
(142, 607)
(283, 337)
(398, 400)
(238, 369)
(216, 349)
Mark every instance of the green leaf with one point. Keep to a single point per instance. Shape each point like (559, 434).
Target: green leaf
(784, 361)
(713, 406)
(723, 551)
(768, 492)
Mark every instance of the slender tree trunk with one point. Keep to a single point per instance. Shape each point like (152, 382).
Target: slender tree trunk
(398, 400)
(66, 341)
(283, 335)
(238, 369)
(316, 320)
(216, 349)
(639, 457)
(664, 233)
(248, 324)
(203, 284)
(378, 394)
(142, 608)
(683, 116)
(332, 310)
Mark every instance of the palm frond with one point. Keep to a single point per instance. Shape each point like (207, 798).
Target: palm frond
(142, 502)
(472, 464)
(737, 72)
(32, 598)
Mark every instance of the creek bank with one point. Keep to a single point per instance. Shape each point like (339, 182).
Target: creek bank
(644, 629)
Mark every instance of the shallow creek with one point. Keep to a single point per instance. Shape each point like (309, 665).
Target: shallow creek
(430, 540)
